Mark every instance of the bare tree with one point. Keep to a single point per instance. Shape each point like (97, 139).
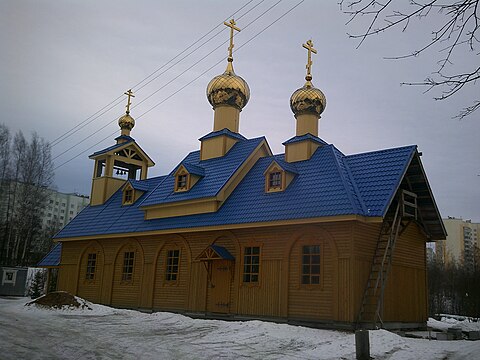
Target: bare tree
(456, 32)
(25, 186)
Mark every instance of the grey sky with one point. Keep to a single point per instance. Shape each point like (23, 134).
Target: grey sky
(60, 62)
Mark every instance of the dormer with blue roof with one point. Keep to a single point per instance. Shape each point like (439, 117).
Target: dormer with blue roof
(311, 235)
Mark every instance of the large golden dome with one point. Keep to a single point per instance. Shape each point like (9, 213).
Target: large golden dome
(228, 89)
(308, 100)
(126, 122)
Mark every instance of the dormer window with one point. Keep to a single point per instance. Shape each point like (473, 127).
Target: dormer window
(275, 180)
(128, 196)
(181, 181)
(186, 177)
(278, 176)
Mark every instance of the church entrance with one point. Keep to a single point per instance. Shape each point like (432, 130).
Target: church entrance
(218, 297)
(220, 266)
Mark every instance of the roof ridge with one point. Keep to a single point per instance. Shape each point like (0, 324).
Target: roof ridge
(354, 183)
(342, 176)
(261, 138)
(381, 150)
(399, 179)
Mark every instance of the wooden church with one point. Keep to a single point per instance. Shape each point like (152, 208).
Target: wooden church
(233, 231)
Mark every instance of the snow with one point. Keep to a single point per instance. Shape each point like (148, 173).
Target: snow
(449, 322)
(31, 332)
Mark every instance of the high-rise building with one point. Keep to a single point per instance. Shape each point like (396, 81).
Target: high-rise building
(62, 207)
(461, 243)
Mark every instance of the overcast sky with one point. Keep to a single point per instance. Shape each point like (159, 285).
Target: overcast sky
(62, 61)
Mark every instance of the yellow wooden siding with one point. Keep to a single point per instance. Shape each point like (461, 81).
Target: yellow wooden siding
(127, 293)
(346, 259)
(405, 298)
(262, 299)
(171, 295)
(406, 293)
(87, 288)
(314, 302)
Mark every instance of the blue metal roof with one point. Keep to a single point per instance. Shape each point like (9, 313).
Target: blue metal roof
(307, 136)
(222, 252)
(290, 167)
(53, 257)
(139, 185)
(328, 184)
(217, 172)
(192, 169)
(378, 174)
(223, 132)
(113, 147)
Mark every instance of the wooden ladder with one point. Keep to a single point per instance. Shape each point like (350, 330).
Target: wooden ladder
(372, 303)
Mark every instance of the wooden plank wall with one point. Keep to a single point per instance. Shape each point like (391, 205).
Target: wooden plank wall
(347, 251)
(405, 292)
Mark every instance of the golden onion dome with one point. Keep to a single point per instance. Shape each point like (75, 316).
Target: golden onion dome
(228, 89)
(308, 100)
(126, 122)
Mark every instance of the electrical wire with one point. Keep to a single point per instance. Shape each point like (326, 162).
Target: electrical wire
(94, 116)
(190, 82)
(166, 84)
(172, 80)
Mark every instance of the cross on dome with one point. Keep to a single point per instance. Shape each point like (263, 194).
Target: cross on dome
(232, 27)
(309, 47)
(129, 93)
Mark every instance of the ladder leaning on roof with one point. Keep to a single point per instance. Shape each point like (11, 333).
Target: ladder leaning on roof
(372, 303)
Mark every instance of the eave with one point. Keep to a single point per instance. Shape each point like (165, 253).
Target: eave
(304, 221)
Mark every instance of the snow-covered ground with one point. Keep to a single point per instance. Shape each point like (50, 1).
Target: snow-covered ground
(27, 332)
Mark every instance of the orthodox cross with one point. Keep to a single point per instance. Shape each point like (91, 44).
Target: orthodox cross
(129, 93)
(232, 27)
(309, 47)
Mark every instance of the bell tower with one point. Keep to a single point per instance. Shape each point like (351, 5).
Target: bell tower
(118, 163)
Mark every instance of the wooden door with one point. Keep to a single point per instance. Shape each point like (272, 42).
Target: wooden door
(219, 286)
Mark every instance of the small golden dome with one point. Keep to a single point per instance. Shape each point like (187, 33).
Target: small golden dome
(126, 122)
(228, 89)
(308, 100)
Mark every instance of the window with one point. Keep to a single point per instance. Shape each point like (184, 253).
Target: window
(63, 204)
(311, 264)
(251, 264)
(128, 196)
(71, 212)
(181, 182)
(9, 276)
(275, 180)
(128, 260)
(51, 201)
(173, 257)
(91, 264)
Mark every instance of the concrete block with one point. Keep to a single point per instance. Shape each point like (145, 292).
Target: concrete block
(362, 345)
(456, 332)
(444, 336)
(474, 335)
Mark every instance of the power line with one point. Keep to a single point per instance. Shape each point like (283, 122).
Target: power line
(94, 116)
(190, 82)
(172, 80)
(163, 86)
